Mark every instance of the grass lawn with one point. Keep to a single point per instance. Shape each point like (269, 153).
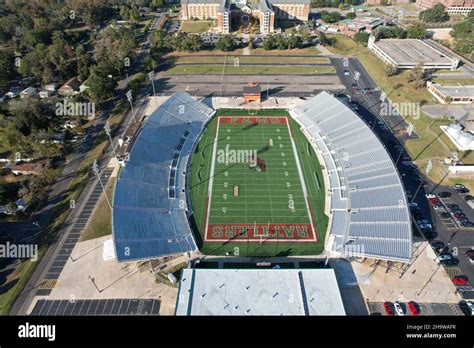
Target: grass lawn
(454, 81)
(187, 59)
(101, 222)
(344, 45)
(432, 143)
(297, 51)
(196, 26)
(249, 69)
(265, 195)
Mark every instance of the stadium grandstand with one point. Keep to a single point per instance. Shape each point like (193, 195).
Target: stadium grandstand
(369, 211)
(150, 217)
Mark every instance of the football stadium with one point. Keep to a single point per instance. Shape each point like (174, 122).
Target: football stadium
(259, 183)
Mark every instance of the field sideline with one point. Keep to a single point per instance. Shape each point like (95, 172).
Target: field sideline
(269, 216)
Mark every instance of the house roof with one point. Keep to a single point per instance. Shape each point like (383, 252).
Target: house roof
(73, 83)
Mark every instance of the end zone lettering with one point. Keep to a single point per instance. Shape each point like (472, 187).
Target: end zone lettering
(245, 232)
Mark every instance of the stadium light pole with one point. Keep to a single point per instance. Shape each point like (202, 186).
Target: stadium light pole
(107, 131)
(95, 169)
(130, 99)
(151, 76)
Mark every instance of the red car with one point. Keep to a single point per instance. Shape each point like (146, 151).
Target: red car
(388, 308)
(434, 201)
(414, 308)
(461, 280)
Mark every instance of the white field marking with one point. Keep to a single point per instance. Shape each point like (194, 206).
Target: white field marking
(300, 173)
(211, 177)
(316, 181)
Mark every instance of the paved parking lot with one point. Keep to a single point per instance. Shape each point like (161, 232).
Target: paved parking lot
(97, 307)
(376, 308)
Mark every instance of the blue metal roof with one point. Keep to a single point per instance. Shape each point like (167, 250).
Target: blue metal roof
(150, 213)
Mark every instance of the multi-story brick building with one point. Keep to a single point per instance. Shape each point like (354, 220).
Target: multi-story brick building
(227, 12)
(451, 6)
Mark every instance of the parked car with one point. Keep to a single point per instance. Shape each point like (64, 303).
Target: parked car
(451, 262)
(444, 194)
(437, 245)
(462, 220)
(462, 191)
(430, 195)
(398, 308)
(434, 201)
(459, 186)
(459, 215)
(426, 226)
(452, 206)
(444, 257)
(461, 280)
(468, 198)
(445, 215)
(471, 259)
(389, 310)
(467, 307)
(469, 253)
(414, 308)
(455, 211)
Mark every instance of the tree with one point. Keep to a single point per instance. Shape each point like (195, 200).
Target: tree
(418, 76)
(390, 70)
(434, 14)
(6, 69)
(416, 31)
(101, 86)
(361, 37)
(227, 43)
(351, 15)
(463, 34)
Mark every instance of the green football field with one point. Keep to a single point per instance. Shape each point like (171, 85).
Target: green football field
(257, 187)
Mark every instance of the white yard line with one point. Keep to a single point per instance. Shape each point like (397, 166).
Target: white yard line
(211, 178)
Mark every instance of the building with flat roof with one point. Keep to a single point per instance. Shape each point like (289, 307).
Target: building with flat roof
(451, 6)
(407, 53)
(242, 12)
(259, 292)
(452, 94)
(252, 93)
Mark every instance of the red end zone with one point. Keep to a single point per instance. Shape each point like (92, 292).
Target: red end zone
(252, 119)
(258, 232)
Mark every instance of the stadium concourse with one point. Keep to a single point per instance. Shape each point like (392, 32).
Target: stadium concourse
(369, 215)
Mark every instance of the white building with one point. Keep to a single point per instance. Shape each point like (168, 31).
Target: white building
(463, 139)
(259, 292)
(408, 53)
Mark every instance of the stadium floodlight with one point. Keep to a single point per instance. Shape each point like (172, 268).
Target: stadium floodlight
(151, 76)
(107, 131)
(96, 169)
(130, 99)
